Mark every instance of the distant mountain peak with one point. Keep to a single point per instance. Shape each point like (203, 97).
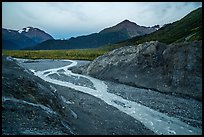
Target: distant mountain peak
(36, 34)
(25, 29)
(126, 21)
(131, 28)
(23, 38)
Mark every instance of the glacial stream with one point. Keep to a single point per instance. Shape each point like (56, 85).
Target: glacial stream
(154, 120)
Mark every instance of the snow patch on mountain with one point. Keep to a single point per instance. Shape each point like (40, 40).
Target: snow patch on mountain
(24, 29)
(20, 31)
(27, 29)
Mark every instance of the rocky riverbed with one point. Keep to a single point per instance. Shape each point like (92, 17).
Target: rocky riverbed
(31, 106)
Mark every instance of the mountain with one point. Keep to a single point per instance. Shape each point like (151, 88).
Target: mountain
(35, 34)
(189, 28)
(122, 31)
(24, 38)
(12, 40)
(130, 28)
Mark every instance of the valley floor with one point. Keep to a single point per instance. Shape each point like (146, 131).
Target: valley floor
(103, 107)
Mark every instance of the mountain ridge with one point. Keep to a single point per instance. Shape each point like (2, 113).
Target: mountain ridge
(12, 40)
(23, 38)
(36, 34)
(131, 27)
(117, 33)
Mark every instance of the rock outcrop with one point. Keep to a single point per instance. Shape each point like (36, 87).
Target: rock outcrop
(30, 105)
(173, 69)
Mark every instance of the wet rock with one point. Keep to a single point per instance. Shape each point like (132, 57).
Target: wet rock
(174, 69)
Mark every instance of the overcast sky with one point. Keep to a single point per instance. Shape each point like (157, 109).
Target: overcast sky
(64, 20)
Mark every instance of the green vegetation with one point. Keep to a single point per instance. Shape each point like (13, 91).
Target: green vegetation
(82, 54)
(188, 28)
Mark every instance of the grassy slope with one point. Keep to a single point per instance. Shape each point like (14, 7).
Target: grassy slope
(190, 25)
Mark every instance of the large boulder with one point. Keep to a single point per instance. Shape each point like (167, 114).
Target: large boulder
(174, 69)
